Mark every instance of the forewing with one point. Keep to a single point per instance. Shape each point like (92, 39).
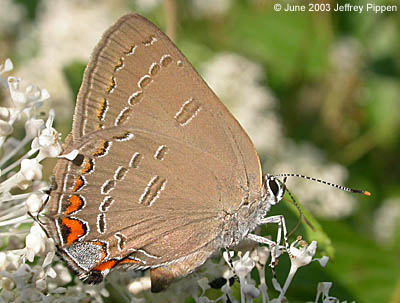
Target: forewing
(137, 77)
(161, 160)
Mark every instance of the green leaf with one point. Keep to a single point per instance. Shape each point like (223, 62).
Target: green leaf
(368, 270)
(316, 233)
(74, 74)
(383, 108)
(291, 45)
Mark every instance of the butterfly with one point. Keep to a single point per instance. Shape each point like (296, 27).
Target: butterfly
(162, 175)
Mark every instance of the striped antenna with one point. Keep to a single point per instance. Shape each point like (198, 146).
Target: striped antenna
(302, 216)
(293, 200)
(351, 190)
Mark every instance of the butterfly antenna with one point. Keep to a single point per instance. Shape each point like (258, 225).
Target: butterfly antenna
(293, 200)
(302, 216)
(39, 222)
(350, 190)
(36, 217)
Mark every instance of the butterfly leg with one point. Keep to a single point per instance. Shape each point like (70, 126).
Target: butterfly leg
(280, 220)
(274, 246)
(228, 254)
(275, 251)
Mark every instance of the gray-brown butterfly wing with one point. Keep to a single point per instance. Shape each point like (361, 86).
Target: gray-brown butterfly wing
(161, 162)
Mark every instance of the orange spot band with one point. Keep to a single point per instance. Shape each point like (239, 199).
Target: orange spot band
(128, 261)
(78, 183)
(102, 148)
(76, 203)
(76, 229)
(111, 84)
(106, 265)
(87, 167)
(102, 108)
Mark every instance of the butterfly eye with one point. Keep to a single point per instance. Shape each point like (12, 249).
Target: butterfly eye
(275, 189)
(273, 185)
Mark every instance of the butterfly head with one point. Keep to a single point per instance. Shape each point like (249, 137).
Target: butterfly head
(275, 189)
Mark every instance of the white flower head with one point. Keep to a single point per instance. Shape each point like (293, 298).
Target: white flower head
(28, 99)
(22, 274)
(322, 261)
(6, 67)
(387, 220)
(299, 257)
(63, 276)
(323, 292)
(48, 142)
(304, 255)
(7, 118)
(35, 242)
(139, 285)
(5, 128)
(3, 260)
(250, 291)
(31, 169)
(260, 254)
(33, 204)
(33, 127)
(5, 114)
(244, 265)
(210, 8)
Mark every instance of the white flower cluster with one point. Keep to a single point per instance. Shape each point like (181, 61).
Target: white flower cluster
(210, 8)
(323, 293)
(25, 102)
(26, 271)
(300, 255)
(239, 267)
(387, 221)
(10, 15)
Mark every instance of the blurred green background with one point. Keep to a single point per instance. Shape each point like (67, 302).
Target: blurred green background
(335, 79)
